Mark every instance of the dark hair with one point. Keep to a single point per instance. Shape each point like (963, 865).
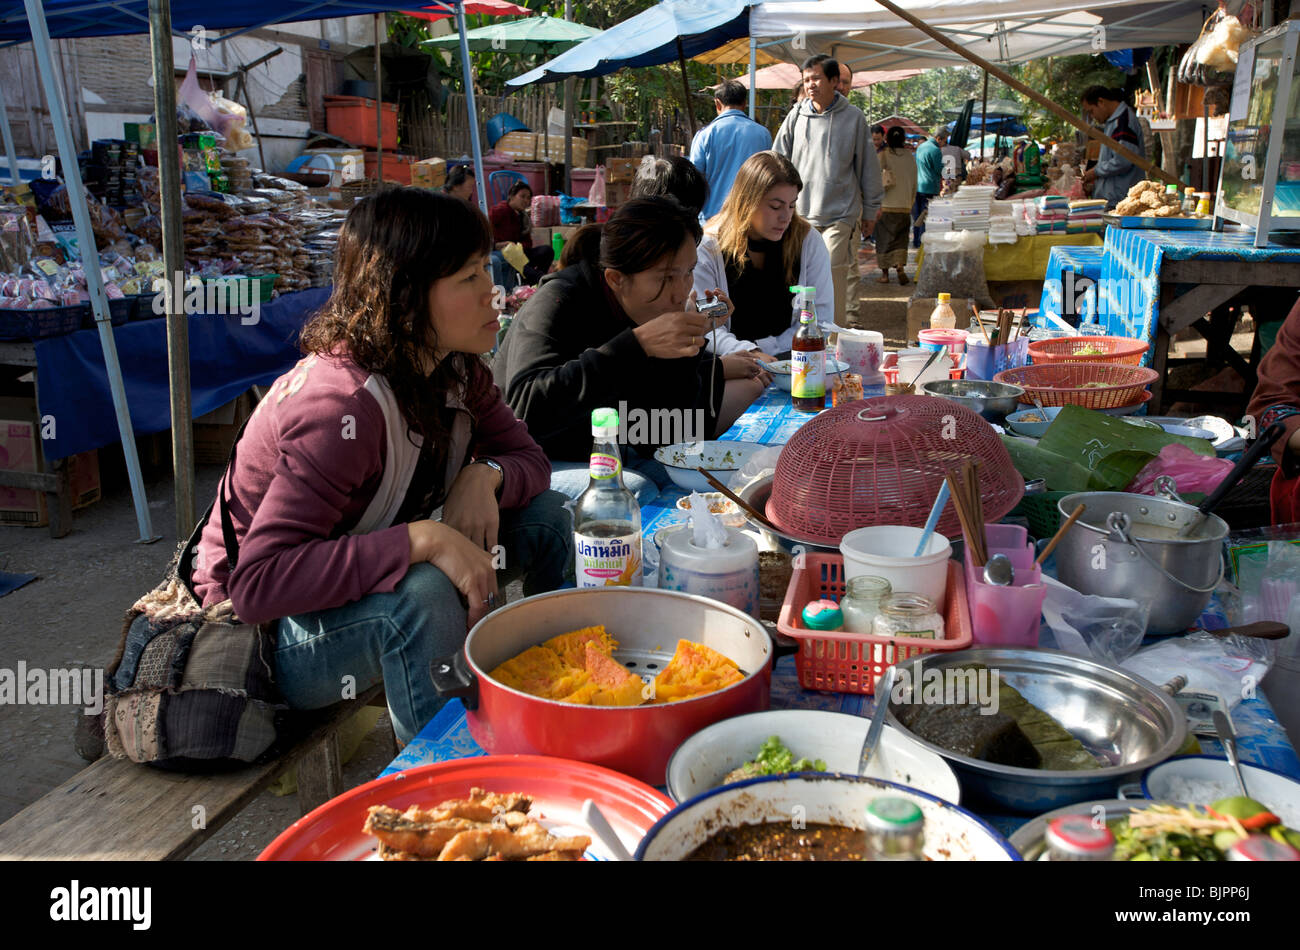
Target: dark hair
(519, 186)
(456, 177)
(637, 236)
(830, 67)
(895, 137)
(674, 176)
(392, 247)
(731, 93)
(878, 128)
(1094, 94)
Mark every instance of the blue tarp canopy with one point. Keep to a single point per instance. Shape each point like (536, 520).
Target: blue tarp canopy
(70, 18)
(995, 124)
(649, 39)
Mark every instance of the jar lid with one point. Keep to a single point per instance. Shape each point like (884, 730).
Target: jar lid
(678, 547)
(868, 585)
(1079, 834)
(1262, 848)
(906, 600)
(823, 615)
(893, 814)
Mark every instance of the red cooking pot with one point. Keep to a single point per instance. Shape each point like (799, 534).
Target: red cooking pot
(647, 623)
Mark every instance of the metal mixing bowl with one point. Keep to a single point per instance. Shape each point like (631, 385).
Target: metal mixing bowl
(1115, 714)
(991, 400)
(756, 493)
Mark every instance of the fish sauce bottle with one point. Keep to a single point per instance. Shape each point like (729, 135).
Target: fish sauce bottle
(807, 355)
(606, 518)
(895, 830)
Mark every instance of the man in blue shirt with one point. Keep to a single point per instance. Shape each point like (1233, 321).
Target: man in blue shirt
(929, 182)
(723, 145)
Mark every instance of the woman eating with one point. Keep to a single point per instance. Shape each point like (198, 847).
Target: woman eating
(390, 416)
(619, 328)
(755, 249)
(898, 175)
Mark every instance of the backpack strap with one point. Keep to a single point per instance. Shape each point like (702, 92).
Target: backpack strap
(185, 565)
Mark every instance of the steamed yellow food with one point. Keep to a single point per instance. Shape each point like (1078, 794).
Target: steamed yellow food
(580, 668)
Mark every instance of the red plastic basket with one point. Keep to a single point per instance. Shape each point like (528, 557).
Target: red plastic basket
(1081, 349)
(841, 662)
(1064, 384)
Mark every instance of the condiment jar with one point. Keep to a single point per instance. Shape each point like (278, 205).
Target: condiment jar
(823, 615)
(862, 601)
(909, 615)
(1078, 838)
(1262, 848)
(895, 830)
(728, 573)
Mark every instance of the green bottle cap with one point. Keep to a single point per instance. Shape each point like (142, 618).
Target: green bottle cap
(893, 814)
(823, 615)
(604, 418)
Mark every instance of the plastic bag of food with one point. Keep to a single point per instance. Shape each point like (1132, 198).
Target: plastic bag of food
(954, 264)
(1219, 50)
(1231, 666)
(1108, 629)
(1190, 471)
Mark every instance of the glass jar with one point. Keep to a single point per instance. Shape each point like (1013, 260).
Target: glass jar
(862, 602)
(909, 615)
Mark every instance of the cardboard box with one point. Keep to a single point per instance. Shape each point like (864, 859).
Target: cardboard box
(918, 315)
(617, 192)
(214, 434)
(621, 169)
(397, 168)
(19, 452)
(556, 151)
(429, 173)
(521, 146)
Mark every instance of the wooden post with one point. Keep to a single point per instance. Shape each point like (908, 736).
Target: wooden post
(686, 88)
(569, 91)
(1139, 160)
(984, 115)
(379, 107)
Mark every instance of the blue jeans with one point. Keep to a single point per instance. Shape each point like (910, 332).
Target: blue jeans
(394, 638)
(643, 477)
(503, 275)
(918, 208)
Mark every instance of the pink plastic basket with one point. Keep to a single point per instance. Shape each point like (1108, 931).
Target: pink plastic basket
(841, 662)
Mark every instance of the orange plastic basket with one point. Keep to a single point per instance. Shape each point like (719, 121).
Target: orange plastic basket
(839, 662)
(1082, 349)
(1091, 385)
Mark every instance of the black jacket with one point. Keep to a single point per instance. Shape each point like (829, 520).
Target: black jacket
(571, 349)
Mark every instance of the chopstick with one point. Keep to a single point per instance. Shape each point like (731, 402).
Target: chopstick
(1060, 533)
(746, 506)
(983, 329)
(977, 510)
(960, 484)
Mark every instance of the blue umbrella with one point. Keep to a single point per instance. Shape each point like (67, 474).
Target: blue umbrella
(666, 32)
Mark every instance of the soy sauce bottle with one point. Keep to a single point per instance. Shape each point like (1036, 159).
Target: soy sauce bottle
(807, 355)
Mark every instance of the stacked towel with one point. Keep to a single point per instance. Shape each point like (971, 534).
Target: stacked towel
(1086, 216)
(1050, 204)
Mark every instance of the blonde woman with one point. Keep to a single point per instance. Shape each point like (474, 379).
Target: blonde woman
(755, 249)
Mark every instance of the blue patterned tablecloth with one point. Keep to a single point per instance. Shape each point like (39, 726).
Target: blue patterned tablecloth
(1067, 267)
(1128, 298)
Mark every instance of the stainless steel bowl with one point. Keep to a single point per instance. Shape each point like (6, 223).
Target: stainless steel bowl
(1030, 838)
(756, 494)
(991, 400)
(1115, 714)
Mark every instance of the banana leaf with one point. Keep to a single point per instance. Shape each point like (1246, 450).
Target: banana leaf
(1033, 461)
(1112, 449)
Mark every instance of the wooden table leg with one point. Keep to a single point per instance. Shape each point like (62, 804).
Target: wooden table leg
(1159, 361)
(320, 774)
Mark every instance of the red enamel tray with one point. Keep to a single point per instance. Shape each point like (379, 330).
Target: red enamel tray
(558, 788)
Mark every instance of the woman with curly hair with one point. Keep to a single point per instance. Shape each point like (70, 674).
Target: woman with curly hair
(755, 249)
(390, 416)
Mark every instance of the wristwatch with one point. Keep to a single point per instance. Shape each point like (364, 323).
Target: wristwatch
(499, 470)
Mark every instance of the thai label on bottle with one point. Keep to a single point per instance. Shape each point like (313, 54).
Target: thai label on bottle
(604, 466)
(607, 561)
(809, 374)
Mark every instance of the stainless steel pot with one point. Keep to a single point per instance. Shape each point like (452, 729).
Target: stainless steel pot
(1116, 715)
(1105, 553)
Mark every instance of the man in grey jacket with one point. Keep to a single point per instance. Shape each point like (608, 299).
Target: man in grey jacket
(829, 142)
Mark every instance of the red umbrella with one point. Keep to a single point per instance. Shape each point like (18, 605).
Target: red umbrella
(489, 7)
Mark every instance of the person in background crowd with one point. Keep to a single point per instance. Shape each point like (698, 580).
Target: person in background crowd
(722, 146)
(929, 182)
(1113, 175)
(954, 158)
(878, 136)
(827, 140)
(619, 327)
(390, 416)
(675, 176)
(462, 184)
(1277, 399)
(845, 85)
(898, 171)
(511, 223)
(756, 249)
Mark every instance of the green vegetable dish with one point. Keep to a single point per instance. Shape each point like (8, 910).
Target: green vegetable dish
(1170, 833)
(773, 758)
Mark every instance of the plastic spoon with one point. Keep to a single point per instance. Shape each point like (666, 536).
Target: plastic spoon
(1223, 726)
(596, 821)
(883, 688)
(932, 521)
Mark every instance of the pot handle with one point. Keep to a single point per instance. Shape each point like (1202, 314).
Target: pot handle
(1118, 525)
(453, 679)
(1131, 790)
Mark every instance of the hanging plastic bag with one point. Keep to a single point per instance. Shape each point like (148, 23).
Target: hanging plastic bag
(954, 264)
(597, 194)
(1191, 472)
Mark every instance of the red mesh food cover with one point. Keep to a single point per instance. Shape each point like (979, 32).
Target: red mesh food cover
(881, 461)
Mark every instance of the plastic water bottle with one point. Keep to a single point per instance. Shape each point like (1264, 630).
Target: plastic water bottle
(807, 355)
(607, 518)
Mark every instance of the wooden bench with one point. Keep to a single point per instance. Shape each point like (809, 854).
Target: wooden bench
(117, 810)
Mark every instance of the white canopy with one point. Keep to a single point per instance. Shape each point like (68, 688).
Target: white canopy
(867, 36)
